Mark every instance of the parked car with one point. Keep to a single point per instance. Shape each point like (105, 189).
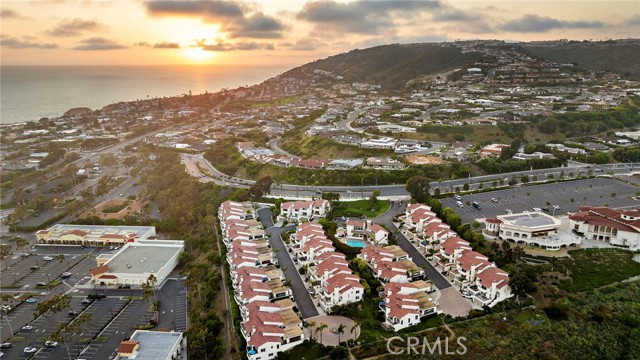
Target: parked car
(35, 267)
(86, 300)
(27, 327)
(47, 258)
(508, 211)
(41, 284)
(51, 344)
(457, 197)
(460, 204)
(72, 313)
(537, 209)
(545, 209)
(6, 345)
(31, 300)
(477, 205)
(556, 207)
(494, 200)
(30, 350)
(65, 275)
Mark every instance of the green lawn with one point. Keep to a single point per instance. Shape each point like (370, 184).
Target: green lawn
(360, 208)
(593, 268)
(306, 350)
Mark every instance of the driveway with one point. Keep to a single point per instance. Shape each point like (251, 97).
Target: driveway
(387, 220)
(300, 293)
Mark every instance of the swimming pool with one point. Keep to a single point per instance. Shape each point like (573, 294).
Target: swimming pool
(356, 243)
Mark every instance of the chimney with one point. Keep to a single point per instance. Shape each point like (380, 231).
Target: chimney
(253, 330)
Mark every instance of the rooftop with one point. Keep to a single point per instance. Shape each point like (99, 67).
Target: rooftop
(146, 256)
(530, 220)
(155, 345)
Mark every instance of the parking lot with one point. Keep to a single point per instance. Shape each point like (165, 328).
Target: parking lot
(173, 305)
(41, 329)
(567, 195)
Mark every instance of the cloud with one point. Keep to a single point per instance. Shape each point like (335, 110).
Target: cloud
(74, 27)
(10, 14)
(633, 21)
(98, 44)
(166, 45)
(306, 44)
(160, 45)
(257, 25)
(362, 17)
(236, 18)
(534, 23)
(247, 46)
(15, 43)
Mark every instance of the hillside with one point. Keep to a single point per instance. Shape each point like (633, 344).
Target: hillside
(621, 58)
(391, 66)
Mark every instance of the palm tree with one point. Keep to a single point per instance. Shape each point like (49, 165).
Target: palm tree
(311, 325)
(355, 329)
(340, 331)
(321, 328)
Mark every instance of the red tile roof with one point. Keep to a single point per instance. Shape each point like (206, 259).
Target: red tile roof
(453, 243)
(99, 270)
(493, 275)
(470, 258)
(127, 347)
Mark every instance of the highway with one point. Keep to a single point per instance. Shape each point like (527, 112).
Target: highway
(398, 191)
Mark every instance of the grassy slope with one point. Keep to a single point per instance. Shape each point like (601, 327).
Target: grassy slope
(392, 66)
(622, 59)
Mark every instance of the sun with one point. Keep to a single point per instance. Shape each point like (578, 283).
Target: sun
(196, 54)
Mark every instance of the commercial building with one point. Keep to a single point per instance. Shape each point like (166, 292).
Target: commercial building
(136, 262)
(94, 235)
(613, 226)
(152, 345)
(535, 229)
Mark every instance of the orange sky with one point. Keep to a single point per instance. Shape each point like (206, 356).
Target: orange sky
(101, 32)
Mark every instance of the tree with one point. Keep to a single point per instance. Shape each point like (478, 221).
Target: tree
(149, 289)
(524, 179)
(21, 242)
(355, 329)
(312, 325)
(320, 329)
(373, 200)
(261, 187)
(512, 181)
(108, 159)
(340, 331)
(418, 188)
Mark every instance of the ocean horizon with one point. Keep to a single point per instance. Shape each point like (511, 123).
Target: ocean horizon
(29, 93)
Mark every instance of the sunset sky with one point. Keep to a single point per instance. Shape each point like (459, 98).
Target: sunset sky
(270, 32)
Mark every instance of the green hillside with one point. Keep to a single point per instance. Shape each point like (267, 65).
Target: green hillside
(392, 66)
(608, 56)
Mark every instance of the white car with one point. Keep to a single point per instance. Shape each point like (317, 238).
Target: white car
(47, 258)
(30, 350)
(457, 197)
(27, 327)
(508, 211)
(537, 209)
(460, 204)
(556, 207)
(51, 344)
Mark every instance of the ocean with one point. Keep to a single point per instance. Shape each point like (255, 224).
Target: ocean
(28, 93)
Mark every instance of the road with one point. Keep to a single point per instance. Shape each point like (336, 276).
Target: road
(273, 144)
(398, 191)
(386, 219)
(300, 293)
